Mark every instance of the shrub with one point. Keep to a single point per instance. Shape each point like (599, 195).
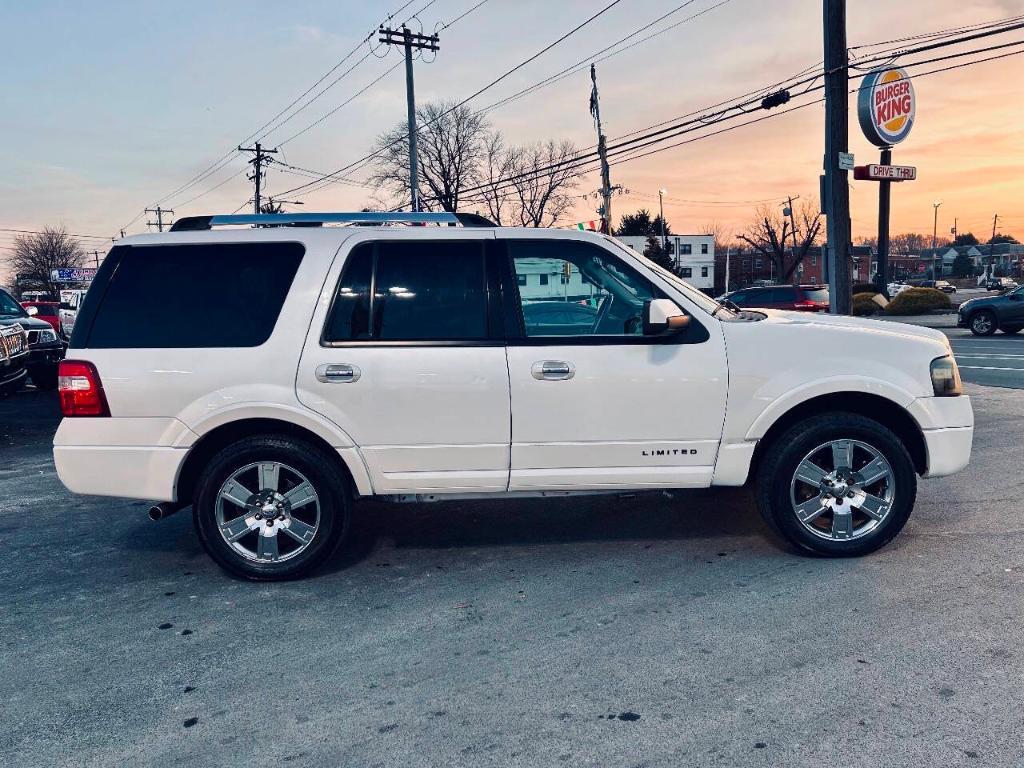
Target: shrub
(861, 288)
(864, 304)
(917, 301)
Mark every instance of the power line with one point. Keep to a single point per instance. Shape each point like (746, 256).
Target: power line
(226, 158)
(627, 152)
(42, 232)
(472, 96)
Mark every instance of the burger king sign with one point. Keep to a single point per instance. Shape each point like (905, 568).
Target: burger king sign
(886, 106)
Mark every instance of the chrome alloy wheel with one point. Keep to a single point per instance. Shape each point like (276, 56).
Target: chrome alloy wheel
(842, 490)
(982, 323)
(274, 523)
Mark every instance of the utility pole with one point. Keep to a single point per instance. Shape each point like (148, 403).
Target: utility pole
(410, 41)
(96, 259)
(661, 215)
(728, 254)
(788, 211)
(602, 150)
(935, 241)
(159, 223)
(261, 157)
(837, 137)
(992, 247)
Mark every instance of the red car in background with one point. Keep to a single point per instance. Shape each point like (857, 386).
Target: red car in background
(805, 298)
(45, 310)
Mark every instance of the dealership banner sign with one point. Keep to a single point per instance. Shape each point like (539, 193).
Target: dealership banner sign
(886, 106)
(73, 275)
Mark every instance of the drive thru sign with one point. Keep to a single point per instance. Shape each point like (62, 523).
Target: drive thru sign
(885, 173)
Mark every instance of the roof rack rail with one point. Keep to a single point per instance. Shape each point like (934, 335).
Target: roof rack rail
(200, 223)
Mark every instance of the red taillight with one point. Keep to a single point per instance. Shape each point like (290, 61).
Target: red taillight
(81, 393)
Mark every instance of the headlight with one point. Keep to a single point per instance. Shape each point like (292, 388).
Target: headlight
(46, 337)
(946, 377)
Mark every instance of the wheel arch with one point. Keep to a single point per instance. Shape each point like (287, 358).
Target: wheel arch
(881, 409)
(204, 449)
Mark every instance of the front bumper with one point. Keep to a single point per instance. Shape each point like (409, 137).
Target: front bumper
(947, 424)
(44, 355)
(12, 371)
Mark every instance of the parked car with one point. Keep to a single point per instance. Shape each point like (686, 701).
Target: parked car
(13, 354)
(803, 298)
(941, 285)
(45, 310)
(1000, 284)
(336, 363)
(987, 314)
(44, 349)
(70, 301)
(895, 289)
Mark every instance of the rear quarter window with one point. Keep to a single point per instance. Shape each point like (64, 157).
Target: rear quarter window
(188, 296)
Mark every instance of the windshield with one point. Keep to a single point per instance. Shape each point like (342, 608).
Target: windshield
(9, 307)
(699, 298)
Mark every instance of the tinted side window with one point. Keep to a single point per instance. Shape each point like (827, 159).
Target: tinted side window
(350, 316)
(422, 291)
(189, 296)
(783, 295)
(430, 290)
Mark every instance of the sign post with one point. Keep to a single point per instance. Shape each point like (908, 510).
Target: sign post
(886, 108)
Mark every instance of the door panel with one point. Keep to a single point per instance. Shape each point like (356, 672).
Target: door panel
(607, 408)
(401, 354)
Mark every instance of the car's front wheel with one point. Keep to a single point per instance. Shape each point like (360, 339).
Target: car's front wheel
(983, 323)
(271, 507)
(838, 484)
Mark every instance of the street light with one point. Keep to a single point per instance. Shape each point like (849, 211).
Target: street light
(661, 211)
(935, 238)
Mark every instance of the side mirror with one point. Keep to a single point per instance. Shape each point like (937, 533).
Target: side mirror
(663, 316)
(32, 311)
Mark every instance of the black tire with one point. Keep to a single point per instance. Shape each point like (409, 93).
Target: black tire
(44, 378)
(777, 470)
(329, 481)
(1012, 331)
(983, 323)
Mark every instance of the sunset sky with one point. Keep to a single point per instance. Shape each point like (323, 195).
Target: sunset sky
(110, 106)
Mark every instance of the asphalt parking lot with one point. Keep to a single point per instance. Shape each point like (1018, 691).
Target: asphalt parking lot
(611, 632)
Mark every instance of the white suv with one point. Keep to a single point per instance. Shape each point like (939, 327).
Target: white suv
(281, 371)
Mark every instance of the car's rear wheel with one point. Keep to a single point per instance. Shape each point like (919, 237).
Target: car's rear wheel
(983, 323)
(272, 507)
(838, 484)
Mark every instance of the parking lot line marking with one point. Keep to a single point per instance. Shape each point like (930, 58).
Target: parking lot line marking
(994, 357)
(988, 368)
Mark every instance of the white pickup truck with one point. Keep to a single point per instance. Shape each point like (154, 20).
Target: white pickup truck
(287, 369)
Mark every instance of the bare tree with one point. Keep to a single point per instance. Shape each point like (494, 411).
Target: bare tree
(450, 148)
(771, 235)
(498, 165)
(36, 256)
(543, 175)
(721, 233)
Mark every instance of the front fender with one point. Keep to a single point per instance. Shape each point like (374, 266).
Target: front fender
(782, 397)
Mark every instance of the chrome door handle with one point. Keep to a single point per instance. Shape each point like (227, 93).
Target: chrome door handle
(553, 370)
(339, 373)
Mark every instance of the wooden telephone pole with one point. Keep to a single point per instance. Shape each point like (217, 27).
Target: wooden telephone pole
(411, 41)
(835, 189)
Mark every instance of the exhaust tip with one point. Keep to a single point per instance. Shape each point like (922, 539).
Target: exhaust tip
(164, 509)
